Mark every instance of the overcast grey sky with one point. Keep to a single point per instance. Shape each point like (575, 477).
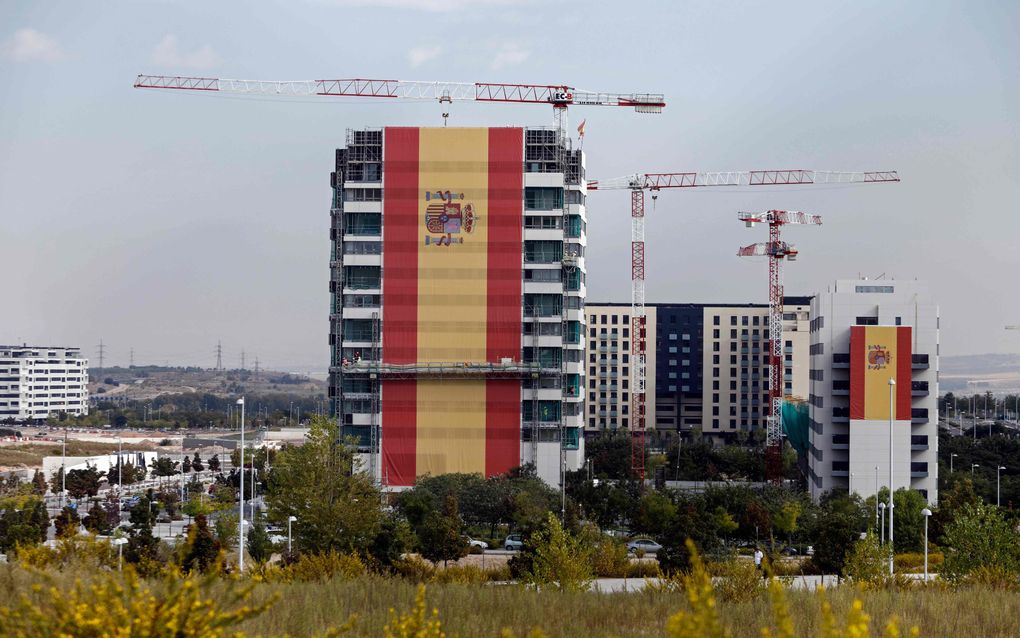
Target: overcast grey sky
(165, 222)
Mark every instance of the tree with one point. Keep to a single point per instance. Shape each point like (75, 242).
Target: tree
(101, 519)
(186, 464)
(839, 522)
(259, 547)
(196, 463)
(655, 513)
(866, 561)
(317, 482)
(214, 463)
(559, 558)
(980, 536)
(201, 549)
(439, 534)
(67, 522)
(164, 466)
(82, 483)
(23, 521)
(57, 481)
(142, 514)
(170, 499)
(951, 503)
(908, 522)
(39, 483)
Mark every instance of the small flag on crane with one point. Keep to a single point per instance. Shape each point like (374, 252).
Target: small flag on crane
(580, 133)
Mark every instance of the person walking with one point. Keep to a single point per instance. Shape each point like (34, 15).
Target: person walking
(758, 556)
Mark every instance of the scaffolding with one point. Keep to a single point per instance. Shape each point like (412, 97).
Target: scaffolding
(502, 370)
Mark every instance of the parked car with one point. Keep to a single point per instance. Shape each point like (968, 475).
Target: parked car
(646, 544)
(472, 542)
(277, 539)
(513, 543)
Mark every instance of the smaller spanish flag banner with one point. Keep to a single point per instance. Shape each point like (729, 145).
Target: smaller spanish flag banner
(878, 354)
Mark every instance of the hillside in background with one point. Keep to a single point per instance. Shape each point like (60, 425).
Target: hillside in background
(148, 382)
(999, 373)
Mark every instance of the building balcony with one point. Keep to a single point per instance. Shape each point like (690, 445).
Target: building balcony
(919, 388)
(841, 441)
(919, 361)
(841, 360)
(841, 388)
(918, 416)
(919, 442)
(918, 470)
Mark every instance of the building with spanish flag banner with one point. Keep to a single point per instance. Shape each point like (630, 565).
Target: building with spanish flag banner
(874, 383)
(457, 294)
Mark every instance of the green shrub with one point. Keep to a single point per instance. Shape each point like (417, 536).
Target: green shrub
(643, 569)
(738, 580)
(560, 559)
(609, 558)
(866, 561)
(415, 568)
(914, 561)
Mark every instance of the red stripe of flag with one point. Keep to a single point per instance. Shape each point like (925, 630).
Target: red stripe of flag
(400, 302)
(904, 372)
(503, 339)
(858, 366)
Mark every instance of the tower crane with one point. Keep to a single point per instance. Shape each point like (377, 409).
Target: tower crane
(637, 184)
(776, 250)
(559, 96)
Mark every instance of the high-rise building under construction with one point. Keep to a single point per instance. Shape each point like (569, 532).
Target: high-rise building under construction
(457, 300)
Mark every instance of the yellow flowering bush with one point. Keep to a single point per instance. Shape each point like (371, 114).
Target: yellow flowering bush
(128, 607)
(703, 620)
(415, 623)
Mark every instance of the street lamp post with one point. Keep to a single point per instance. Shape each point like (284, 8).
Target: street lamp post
(926, 513)
(120, 542)
(876, 495)
(240, 500)
(998, 469)
(892, 486)
(290, 519)
(881, 527)
(972, 466)
(951, 457)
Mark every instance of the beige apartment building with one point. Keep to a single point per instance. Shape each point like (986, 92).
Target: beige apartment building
(707, 365)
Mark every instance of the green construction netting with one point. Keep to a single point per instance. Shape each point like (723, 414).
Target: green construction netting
(795, 424)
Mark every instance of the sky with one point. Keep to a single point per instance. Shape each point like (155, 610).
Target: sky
(165, 222)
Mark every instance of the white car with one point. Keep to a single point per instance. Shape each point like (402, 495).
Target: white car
(476, 543)
(276, 539)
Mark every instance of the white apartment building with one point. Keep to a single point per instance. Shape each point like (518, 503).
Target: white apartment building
(865, 333)
(609, 354)
(36, 381)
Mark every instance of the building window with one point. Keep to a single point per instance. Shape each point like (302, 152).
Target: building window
(715, 320)
(899, 321)
(881, 289)
(733, 320)
(715, 333)
(715, 372)
(867, 321)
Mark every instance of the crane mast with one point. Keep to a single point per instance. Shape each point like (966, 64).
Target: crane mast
(776, 250)
(638, 183)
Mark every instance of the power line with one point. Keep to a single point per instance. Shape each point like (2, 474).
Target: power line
(102, 355)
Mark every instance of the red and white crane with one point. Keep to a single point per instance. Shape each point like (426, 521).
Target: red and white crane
(776, 250)
(559, 96)
(654, 182)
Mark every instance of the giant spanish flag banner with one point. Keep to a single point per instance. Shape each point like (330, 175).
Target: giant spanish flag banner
(453, 201)
(878, 354)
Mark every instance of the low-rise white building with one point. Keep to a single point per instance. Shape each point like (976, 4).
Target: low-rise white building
(874, 367)
(36, 381)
